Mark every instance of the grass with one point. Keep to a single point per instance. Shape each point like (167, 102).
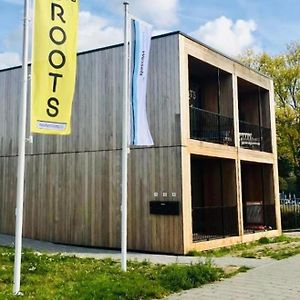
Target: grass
(277, 248)
(62, 277)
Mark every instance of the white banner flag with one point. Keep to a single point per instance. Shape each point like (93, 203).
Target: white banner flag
(141, 40)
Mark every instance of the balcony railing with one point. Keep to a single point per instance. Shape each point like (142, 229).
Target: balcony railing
(213, 222)
(255, 137)
(211, 127)
(259, 217)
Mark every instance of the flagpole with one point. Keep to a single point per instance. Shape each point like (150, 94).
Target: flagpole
(21, 155)
(125, 145)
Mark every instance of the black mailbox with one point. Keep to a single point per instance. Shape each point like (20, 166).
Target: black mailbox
(164, 208)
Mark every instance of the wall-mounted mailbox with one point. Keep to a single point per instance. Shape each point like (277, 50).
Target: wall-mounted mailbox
(164, 208)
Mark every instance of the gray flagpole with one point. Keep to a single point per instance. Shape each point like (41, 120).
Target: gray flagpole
(125, 148)
(21, 155)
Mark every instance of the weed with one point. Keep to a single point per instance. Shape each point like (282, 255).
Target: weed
(61, 277)
(277, 248)
(264, 240)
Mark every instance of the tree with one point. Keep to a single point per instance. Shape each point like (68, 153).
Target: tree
(285, 71)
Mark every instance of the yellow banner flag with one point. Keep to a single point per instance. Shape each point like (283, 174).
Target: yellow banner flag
(53, 65)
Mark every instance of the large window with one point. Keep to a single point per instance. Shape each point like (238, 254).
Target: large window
(254, 116)
(211, 103)
(214, 208)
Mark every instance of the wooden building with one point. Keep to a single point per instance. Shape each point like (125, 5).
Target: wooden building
(210, 180)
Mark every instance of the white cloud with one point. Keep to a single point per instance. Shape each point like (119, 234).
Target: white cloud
(227, 36)
(160, 13)
(160, 31)
(9, 59)
(95, 32)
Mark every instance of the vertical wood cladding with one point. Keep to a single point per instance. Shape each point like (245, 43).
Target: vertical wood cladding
(73, 183)
(72, 188)
(97, 108)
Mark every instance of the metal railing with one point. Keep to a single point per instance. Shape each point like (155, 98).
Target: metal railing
(255, 137)
(213, 222)
(290, 213)
(211, 127)
(259, 217)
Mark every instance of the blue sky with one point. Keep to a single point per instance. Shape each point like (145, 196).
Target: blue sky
(230, 26)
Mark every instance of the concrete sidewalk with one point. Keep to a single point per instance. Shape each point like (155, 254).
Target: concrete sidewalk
(279, 280)
(8, 240)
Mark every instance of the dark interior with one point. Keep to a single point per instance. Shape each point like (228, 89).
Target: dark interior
(258, 197)
(214, 209)
(254, 116)
(210, 88)
(253, 104)
(211, 103)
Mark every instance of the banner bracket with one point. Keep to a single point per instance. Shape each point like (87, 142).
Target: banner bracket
(29, 139)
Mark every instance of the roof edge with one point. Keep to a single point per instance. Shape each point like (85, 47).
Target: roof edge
(222, 54)
(99, 49)
(157, 37)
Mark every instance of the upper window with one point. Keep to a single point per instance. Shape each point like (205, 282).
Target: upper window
(254, 116)
(211, 103)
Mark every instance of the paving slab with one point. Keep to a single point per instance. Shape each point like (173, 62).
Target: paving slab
(293, 233)
(278, 280)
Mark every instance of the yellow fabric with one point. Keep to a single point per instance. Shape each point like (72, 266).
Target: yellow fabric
(53, 65)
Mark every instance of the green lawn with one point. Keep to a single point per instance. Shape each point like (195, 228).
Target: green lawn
(277, 248)
(62, 277)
